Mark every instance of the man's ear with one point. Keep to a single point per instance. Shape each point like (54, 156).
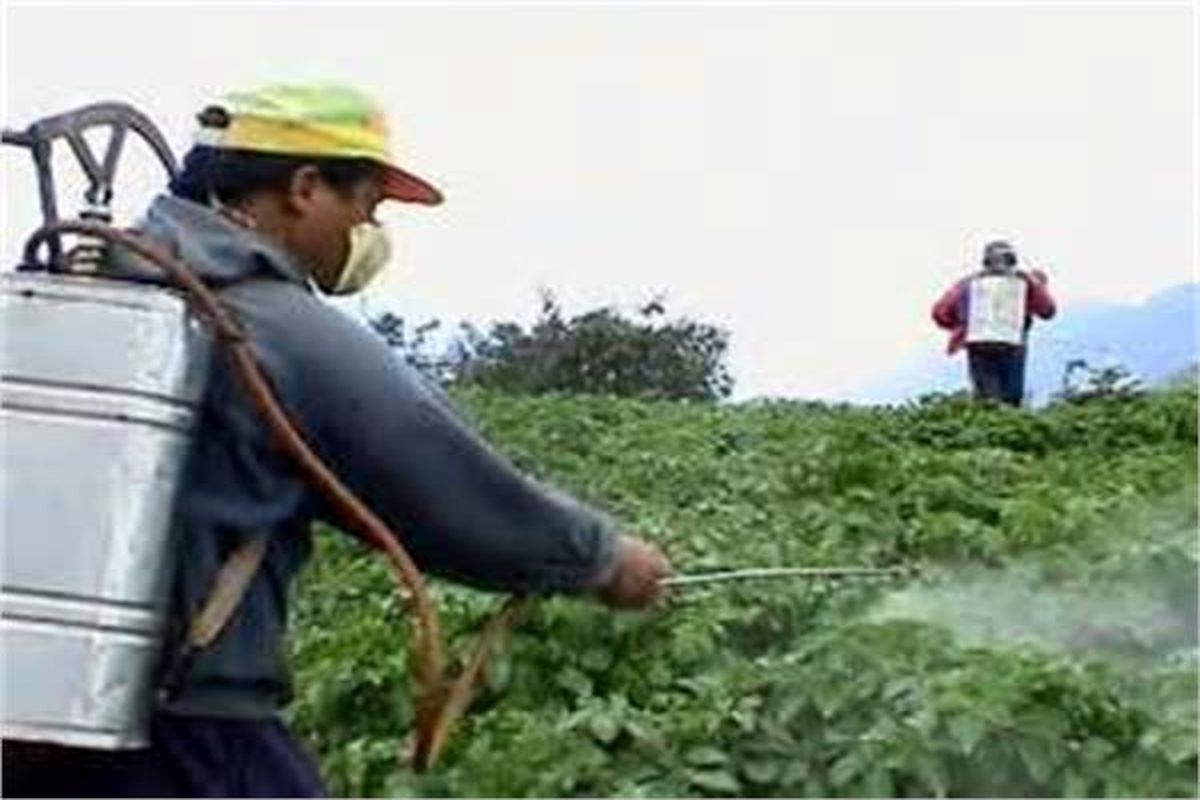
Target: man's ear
(302, 189)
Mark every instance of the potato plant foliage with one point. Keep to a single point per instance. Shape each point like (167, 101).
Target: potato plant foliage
(803, 688)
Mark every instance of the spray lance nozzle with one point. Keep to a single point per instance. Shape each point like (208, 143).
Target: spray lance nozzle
(808, 573)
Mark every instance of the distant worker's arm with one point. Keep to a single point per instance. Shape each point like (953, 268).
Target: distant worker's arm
(1037, 297)
(945, 310)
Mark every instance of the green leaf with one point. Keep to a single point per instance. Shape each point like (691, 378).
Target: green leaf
(877, 782)
(966, 730)
(1097, 750)
(595, 659)
(1035, 754)
(638, 732)
(716, 782)
(1075, 785)
(762, 772)
(932, 772)
(844, 769)
(574, 682)
(706, 757)
(604, 727)
(794, 772)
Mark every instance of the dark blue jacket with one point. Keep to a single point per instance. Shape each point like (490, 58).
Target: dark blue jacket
(461, 509)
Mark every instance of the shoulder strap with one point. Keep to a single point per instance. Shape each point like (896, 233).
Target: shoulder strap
(228, 589)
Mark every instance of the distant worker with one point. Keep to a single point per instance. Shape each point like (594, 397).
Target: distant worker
(990, 312)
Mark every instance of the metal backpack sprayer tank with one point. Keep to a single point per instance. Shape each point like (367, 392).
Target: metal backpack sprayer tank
(99, 386)
(996, 300)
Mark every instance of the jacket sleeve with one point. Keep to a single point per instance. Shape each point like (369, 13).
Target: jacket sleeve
(945, 310)
(1038, 299)
(460, 508)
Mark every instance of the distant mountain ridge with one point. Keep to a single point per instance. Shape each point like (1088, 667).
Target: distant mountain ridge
(1155, 340)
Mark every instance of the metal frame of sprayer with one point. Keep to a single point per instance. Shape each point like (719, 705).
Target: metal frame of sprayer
(40, 137)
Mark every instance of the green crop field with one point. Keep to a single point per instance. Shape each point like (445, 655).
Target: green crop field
(1047, 648)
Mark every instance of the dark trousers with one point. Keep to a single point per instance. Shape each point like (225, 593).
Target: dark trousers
(998, 372)
(187, 757)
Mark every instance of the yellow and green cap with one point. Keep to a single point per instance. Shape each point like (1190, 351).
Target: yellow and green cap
(321, 121)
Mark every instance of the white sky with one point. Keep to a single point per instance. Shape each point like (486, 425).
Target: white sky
(810, 177)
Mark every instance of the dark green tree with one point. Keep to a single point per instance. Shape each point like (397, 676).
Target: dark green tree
(602, 352)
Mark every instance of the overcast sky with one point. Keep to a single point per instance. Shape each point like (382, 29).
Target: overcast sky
(809, 177)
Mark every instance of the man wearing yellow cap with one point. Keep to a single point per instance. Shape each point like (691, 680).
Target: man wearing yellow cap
(273, 207)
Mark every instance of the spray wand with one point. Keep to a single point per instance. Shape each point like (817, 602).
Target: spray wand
(761, 573)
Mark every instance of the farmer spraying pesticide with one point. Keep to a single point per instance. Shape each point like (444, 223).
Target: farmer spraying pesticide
(273, 207)
(990, 313)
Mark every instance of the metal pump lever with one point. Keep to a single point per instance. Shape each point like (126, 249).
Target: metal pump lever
(40, 137)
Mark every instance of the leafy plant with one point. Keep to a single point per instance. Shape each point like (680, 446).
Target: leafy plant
(806, 688)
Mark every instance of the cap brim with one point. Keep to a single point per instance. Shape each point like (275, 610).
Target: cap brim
(408, 188)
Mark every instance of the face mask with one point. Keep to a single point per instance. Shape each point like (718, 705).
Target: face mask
(370, 249)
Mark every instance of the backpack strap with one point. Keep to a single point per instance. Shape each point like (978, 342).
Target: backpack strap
(228, 589)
